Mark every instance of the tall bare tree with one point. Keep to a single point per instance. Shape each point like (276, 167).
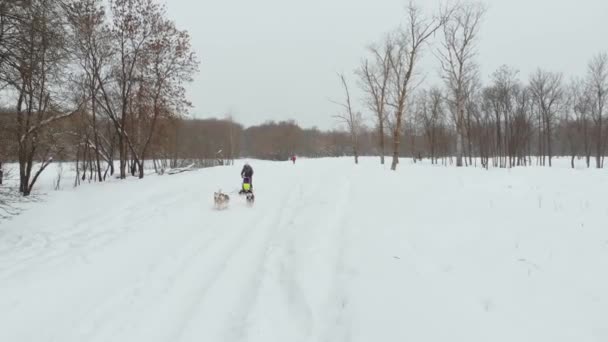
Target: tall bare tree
(351, 119)
(92, 51)
(598, 87)
(500, 99)
(577, 119)
(522, 128)
(37, 77)
(548, 94)
(458, 66)
(167, 64)
(132, 30)
(4, 49)
(431, 115)
(403, 62)
(375, 74)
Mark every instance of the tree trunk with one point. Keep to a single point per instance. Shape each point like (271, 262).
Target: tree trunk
(22, 179)
(381, 132)
(459, 152)
(133, 166)
(469, 142)
(599, 144)
(395, 156)
(572, 161)
(84, 163)
(141, 168)
(540, 143)
(31, 185)
(91, 167)
(122, 155)
(77, 179)
(549, 152)
(96, 137)
(396, 143)
(459, 128)
(586, 142)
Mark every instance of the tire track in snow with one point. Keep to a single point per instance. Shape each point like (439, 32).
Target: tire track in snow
(228, 266)
(52, 249)
(191, 265)
(239, 331)
(106, 318)
(90, 275)
(299, 311)
(337, 321)
(178, 265)
(279, 292)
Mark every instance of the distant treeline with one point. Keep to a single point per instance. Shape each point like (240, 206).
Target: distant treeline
(186, 139)
(225, 139)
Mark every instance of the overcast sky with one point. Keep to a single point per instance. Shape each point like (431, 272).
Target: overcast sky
(277, 59)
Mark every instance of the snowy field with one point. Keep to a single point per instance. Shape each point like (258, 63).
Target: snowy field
(329, 252)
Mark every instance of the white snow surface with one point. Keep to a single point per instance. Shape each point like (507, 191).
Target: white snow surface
(330, 251)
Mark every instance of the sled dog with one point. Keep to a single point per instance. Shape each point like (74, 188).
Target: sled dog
(220, 199)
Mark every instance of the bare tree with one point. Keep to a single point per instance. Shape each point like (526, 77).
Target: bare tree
(598, 86)
(500, 99)
(37, 78)
(131, 30)
(403, 62)
(522, 127)
(577, 119)
(548, 94)
(92, 50)
(431, 116)
(457, 63)
(569, 126)
(375, 76)
(8, 43)
(351, 119)
(62, 58)
(168, 63)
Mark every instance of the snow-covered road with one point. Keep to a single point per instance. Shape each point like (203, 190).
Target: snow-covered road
(151, 261)
(329, 252)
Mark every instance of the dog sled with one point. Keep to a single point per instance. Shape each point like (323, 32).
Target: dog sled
(247, 190)
(221, 199)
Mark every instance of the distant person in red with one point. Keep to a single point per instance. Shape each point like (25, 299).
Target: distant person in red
(293, 158)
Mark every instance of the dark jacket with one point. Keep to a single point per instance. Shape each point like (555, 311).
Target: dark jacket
(247, 171)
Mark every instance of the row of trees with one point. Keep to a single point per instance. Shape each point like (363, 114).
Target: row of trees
(106, 78)
(428, 133)
(186, 140)
(504, 123)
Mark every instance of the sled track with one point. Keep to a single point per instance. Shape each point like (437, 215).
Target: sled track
(238, 332)
(181, 264)
(50, 249)
(251, 248)
(338, 323)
